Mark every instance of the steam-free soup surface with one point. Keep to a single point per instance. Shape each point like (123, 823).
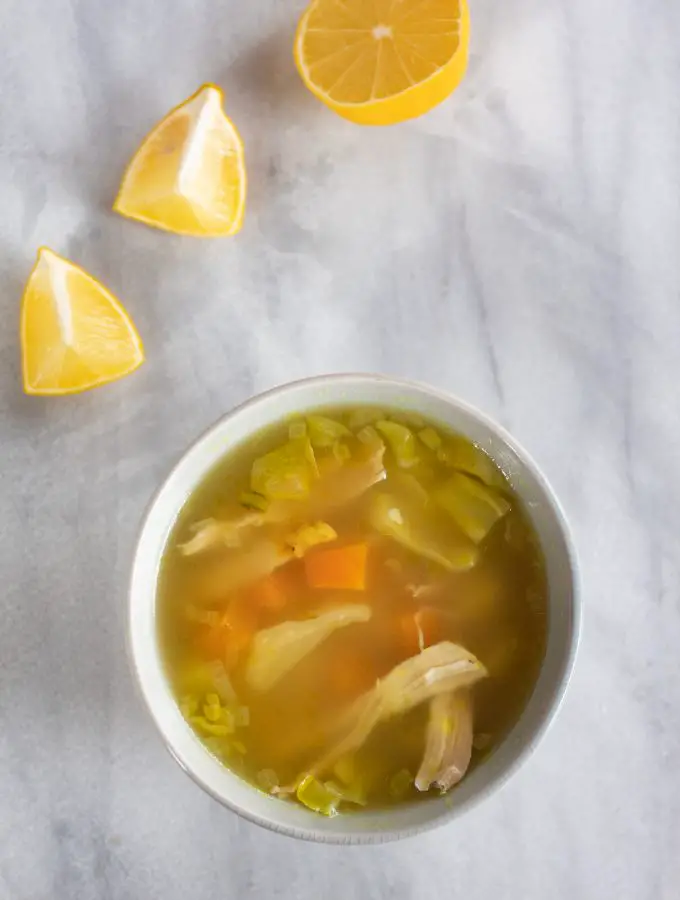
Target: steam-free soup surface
(352, 609)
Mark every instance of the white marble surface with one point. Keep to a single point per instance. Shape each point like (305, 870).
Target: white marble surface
(519, 246)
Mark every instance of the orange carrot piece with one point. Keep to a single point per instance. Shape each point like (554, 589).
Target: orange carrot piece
(240, 624)
(340, 567)
(268, 593)
(210, 641)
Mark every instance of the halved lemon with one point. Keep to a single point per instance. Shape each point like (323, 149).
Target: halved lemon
(378, 62)
(189, 175)
(75, 335)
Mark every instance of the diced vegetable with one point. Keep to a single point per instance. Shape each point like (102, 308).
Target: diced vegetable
(267, 779)
(401, 441)
(430, 438)
(448, 741)
(364, 415)
(410, 419)
(216, 729)
(310, 536)
(210, 641)
(400, 784)
(275, 651)
(212, 708)
(297, 430)
(475, 507)
(268, 592)
(341, 568)
(341, 452)
(286, 473)
(316, 796)
(325, 432)
(369, 436)
(240, 622)
(222, 684)
(410, 528)
(251, 500)
(239, 747)
(466, 457)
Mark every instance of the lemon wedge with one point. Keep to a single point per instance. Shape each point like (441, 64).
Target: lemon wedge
(75, 335)
(189, 174)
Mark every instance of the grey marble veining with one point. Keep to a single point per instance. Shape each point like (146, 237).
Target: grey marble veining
(519, 246)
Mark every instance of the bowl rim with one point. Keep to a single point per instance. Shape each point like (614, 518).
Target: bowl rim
(548, 717)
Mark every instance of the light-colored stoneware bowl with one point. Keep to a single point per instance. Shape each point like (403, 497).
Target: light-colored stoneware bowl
(563, 611)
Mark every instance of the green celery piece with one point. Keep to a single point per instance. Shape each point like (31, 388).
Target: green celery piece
(251, 500)
(286, 473)
(212, 708)
(325, 432)
(430, 438)
(411, 419)
(364, 415)
(317, 797)
(341, 452)
(214, 729)
(411, 526)
(471, 459)
(400, 784)
(401, 441)
(474, 507)
(297, 430)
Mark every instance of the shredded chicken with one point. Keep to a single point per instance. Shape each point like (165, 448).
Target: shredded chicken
(439, 669)
(448, 741)
(331, 491)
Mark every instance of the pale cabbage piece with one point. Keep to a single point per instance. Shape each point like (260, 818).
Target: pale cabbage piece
(438, 669)
(286, 473)
(474, 507)
(277, 650)
(339, 487)
(407, 524)
(237, 569)
(448, 741)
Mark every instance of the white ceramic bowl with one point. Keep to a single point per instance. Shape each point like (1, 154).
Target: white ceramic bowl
(563, 610)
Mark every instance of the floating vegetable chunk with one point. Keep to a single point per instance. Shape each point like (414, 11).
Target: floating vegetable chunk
(316, 796)
(310, 536)
(412, 528)
(475, 507)
(402, 442)
(471, 459)
(275, 651)
(448, 741)
(286, 473)
(340, 568)
(325, 432)
(373, 518)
